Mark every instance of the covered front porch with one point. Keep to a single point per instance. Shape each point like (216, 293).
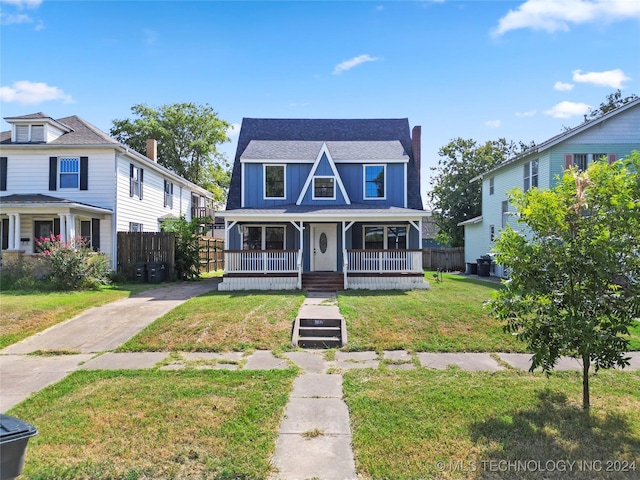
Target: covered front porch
(367, 250)
(26, 218)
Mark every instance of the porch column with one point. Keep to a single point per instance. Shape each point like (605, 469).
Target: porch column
(16, 233)
(71, 228)
(63, 227)
(12, 231)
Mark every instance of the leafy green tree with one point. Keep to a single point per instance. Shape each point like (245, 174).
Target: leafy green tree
(187, 256)
(574, 286)
(188, 136)
(454, 197)
(614, 100)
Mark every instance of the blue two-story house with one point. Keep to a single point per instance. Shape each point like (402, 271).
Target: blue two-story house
(333, 200)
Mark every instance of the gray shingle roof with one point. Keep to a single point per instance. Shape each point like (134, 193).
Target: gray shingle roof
(324, 130)
(38, 198)
(340, 151)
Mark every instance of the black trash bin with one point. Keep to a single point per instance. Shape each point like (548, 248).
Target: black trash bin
(14, 436)
(484, 266)
(472, 268)
(140, 272)
(156, 272)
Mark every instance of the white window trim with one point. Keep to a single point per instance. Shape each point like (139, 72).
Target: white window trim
(492, 185)
(168, 195)
(60, 173)
(264, 181)
(313, 187)
(263, 237)
(364, 181)
(528, 175)
(385, 240)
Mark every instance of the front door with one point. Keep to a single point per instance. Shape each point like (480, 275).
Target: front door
(324, 247)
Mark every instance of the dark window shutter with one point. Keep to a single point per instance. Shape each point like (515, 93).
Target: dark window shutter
(5, 233)
(53, 173)
(84, 173)
(612, 158)
(56, 226)
(141, 181)
(131, 189)
(3, 173)
(95, 233)
(568, 160)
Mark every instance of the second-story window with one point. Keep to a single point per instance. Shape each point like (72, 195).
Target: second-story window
(69, 169)
(136, 176)
(168, 194)
(374, 181)
(530, 174)
(274, 181)
(491, 185)
(324, 188)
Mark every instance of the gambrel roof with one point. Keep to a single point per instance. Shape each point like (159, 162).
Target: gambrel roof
(362, 139)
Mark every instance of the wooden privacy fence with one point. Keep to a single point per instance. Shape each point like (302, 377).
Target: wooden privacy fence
(211, 254)
(447, 259)
(145, 247)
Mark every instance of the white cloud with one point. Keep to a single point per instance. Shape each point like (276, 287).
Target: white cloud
(555, 15)
(610, 78)
(563, 87)
(13, 19)
(32, 93)
(530, 113)
(568, 109)
(23, 3)
(354, 62)
(493, 123)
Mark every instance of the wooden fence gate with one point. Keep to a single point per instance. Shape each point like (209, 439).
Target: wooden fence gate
(211, 254)
(144, 247)
(447, 259)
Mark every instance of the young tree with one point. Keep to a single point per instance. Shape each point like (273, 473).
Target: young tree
(187, 260)
(574, 286)
(188, 136)
(454, 197)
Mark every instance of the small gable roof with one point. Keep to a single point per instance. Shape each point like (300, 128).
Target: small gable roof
(340, 151)
(324, 131)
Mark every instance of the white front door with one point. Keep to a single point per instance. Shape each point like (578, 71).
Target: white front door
(324, 248)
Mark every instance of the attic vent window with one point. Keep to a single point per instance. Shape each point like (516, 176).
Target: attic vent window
(323, 188)
(29, 134)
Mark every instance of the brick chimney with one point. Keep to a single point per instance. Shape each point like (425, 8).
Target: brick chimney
(152, 149)
(415, 146)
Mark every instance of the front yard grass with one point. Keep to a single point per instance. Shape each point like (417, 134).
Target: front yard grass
(455, 424)
(25, 313)
(450, 317)
(222, 322)
(156, 424)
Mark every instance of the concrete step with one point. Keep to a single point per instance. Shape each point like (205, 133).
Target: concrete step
(320, 322)
(319, 333)
(306, 332)
(319, 342)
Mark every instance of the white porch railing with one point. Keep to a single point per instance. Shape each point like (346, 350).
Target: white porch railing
(384, 261)
(262, 261)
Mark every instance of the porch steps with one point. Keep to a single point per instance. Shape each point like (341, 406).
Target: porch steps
(322, 282)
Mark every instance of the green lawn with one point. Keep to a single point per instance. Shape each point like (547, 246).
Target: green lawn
(155, 424)
(222, 321)
(23, 314)
(449, 317)
(467, 425)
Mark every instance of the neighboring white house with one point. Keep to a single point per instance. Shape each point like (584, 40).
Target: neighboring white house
(613, 135)
(67, 177)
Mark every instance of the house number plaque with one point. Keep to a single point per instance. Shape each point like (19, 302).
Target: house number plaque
(323, 242)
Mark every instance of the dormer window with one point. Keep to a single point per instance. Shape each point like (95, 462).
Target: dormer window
(29, 133)
(323, 188)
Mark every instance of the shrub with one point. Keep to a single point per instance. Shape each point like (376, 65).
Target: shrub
(19, 275)
(73, 266)
(187, 259)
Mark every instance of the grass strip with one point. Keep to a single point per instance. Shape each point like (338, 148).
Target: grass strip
(456, 424)
(156, 424)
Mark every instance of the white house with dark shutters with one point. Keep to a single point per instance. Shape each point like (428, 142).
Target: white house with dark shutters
(611, 136)
(65, 176)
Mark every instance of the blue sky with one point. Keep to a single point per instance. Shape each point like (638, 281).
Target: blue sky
(472, 69)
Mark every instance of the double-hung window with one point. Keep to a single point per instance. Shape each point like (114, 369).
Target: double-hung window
(168, 194)
(491, 185)
(136, 175)
(324, 188)
(262, 237)
(69, 171)
(135, 227)
(274, 181)
(530, 174)
(374, 182)
(581, 160)
(385, 238)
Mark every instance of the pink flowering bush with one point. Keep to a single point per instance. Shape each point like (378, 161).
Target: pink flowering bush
(72, 265)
